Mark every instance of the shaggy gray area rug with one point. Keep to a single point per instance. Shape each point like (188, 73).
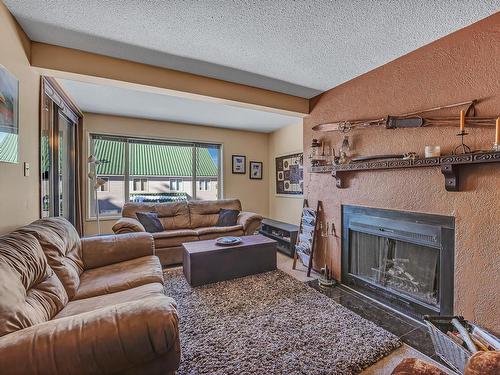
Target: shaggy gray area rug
(271, 323)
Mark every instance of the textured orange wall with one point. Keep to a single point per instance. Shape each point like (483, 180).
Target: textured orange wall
(461, 66)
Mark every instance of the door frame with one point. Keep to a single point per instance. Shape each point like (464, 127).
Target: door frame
(61, 105)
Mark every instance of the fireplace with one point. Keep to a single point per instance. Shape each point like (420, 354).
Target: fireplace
(402, 259)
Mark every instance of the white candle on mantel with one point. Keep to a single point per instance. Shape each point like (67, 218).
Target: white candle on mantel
(497, 133)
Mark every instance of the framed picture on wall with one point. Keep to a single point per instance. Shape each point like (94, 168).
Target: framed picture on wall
(9, 116)
(290, 175)
(239, 164)
(256, 170)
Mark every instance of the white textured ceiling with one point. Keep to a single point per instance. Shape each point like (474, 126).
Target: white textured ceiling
(299, 47)
(132, 103)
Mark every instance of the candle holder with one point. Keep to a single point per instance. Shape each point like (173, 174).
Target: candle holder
(496, 146)
(462, 148)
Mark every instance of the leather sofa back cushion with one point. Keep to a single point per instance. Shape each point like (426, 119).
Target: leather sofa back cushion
(206, 213)
(174, 215)
(30, 291)
(62, 246)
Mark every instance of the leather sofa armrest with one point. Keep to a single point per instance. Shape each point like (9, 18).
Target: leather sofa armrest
(103, 250)
(128, 225)
(110, 340)
(250, 221)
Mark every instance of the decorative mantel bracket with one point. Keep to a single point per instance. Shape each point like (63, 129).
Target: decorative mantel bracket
(449, 164)
(338, 180)
(450, 173)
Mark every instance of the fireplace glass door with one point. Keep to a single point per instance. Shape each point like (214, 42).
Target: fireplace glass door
(400, 267)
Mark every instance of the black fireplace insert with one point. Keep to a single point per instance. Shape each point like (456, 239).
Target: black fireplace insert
(402, 259)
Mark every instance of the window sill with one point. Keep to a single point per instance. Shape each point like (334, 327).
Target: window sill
(106, 218)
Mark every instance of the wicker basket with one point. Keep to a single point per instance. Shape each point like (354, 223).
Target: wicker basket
(455, 355)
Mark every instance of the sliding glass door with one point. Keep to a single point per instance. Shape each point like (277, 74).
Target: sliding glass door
(46, 157)
(65, 192)
(147, 170)
(57, 161)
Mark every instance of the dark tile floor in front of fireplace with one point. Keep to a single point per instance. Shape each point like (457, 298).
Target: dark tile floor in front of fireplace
(409, 331)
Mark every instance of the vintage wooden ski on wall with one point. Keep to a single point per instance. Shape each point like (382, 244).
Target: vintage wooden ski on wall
(412, 120)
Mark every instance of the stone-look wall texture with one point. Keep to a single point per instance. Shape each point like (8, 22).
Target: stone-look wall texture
(461, 66)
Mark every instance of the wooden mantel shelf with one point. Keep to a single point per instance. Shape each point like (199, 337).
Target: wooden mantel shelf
(449, 165)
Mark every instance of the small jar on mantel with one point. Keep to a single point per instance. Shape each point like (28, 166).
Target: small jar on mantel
(315, 156)
(432, 151)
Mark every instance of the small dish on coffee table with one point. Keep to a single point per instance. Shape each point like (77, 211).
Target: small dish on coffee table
(227, 241)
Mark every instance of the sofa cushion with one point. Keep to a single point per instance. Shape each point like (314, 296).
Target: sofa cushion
(120, 339)
(174, 237)
(120, 276)
(208, 233)
(150, 221)
(30, 292)
(62, 247)
(206, 213)
(219, 230)
(173, 215)
(93, 303)
(227, 218)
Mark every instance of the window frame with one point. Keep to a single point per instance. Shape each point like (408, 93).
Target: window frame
(59, 108)
(179, 184)
(203, 184)
(105, 186)
(90, 136)
(143, 182)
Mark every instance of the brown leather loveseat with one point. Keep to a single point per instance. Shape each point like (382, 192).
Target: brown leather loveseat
(186, 222)
(83, 306)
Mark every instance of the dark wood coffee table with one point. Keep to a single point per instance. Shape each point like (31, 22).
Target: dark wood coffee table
(206, 262)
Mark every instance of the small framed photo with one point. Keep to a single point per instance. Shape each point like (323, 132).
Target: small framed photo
(256, 170)
(239, 164)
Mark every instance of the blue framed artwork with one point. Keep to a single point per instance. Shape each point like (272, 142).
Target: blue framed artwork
(9, 116)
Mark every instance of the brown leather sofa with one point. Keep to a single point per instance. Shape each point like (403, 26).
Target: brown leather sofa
(83, 306)
(186, 222)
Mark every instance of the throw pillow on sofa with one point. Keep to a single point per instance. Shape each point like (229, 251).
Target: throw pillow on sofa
(227, 218)
(150, 221)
